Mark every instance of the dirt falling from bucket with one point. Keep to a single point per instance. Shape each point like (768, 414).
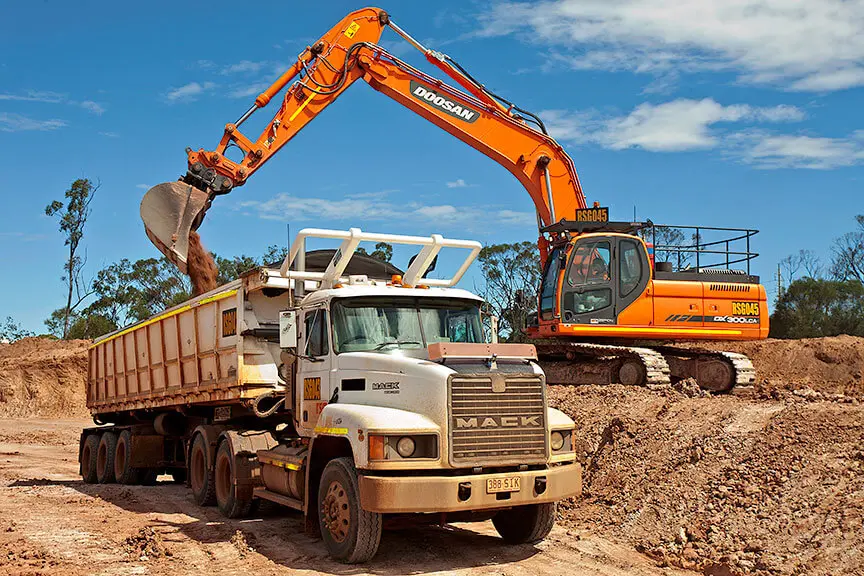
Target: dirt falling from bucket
(200, 266)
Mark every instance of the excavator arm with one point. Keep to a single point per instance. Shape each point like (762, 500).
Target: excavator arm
(322, 72)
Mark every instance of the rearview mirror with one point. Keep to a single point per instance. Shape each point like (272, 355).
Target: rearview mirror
(288, 329)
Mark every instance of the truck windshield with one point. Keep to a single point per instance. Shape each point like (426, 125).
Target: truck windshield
(371, 324)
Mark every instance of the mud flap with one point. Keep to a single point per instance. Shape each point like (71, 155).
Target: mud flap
(169, 211)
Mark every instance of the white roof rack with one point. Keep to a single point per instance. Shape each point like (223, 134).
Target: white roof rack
(431, 245)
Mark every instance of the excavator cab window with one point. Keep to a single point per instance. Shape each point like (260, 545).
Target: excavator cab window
(631, 267)
(549, 289)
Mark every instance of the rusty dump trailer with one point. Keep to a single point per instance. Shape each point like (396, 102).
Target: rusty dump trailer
(191, 354)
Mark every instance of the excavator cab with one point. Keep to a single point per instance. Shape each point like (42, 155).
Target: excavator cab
(171, 212)
(602, 275)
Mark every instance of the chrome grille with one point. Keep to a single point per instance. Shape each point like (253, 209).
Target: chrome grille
(497, 419)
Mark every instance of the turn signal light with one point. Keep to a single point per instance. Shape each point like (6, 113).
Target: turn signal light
(376, 447)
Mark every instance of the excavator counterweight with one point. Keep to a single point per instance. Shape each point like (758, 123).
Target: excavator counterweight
(171, 211)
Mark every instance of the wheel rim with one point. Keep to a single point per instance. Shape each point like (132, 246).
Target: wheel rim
(120, 459)
(101, 459)
(335, 512)
(223, 478)
(198, 469)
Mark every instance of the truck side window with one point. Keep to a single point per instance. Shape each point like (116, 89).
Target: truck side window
(316, 333)
(631, 267)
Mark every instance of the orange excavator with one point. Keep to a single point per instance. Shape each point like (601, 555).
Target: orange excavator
(602, 293)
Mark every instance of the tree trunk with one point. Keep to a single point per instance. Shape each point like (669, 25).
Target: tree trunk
(70, 280)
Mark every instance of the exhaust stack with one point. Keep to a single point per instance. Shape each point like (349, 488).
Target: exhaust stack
(170, 212)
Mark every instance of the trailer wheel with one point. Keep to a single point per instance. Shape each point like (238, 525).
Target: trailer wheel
(351, 534)
(88, 458)
(233, 490)
(105, 458)
(524, 524)
(123, 471)
(201, 475)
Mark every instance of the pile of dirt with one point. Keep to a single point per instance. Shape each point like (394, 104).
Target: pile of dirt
(147, 544)
(200, 266)
(833, 364)
(43, 377)
(722, 484)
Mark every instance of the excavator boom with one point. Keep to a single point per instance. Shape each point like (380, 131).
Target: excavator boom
(322, 72)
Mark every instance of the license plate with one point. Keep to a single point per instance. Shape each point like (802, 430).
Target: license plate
(506, 484)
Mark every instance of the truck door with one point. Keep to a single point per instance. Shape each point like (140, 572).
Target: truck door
(314, 369)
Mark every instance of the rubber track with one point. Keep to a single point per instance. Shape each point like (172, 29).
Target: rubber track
(656, 369)
(745, 372)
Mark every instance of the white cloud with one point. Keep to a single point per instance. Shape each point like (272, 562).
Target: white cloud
(796, 151)
(813, 45)
(35, 96)
(143, 186)
(245, 67)
(92, 107)
(188, 92)
(19, 123)
(373, 208)
(458, 183)
(674, 126)
(109, 134)
(249, 90)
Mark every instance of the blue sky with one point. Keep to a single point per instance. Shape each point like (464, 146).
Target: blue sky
(739, 113)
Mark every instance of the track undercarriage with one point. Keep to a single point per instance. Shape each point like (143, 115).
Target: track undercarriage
(599, 363)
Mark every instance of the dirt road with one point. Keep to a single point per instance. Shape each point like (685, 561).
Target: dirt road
(52, 523)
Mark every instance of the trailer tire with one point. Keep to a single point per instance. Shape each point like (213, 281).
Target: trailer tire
(201, 473)
(525, 524)
(89, 449)
(105, 458)
(123, 472)
(233, 493)
(351, 534)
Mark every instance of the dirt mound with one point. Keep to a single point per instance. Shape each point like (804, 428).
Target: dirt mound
(723, 484)
(147, 544)
(833, 364)
(43, 377)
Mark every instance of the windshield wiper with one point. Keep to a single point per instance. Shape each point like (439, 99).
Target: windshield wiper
(395, 343)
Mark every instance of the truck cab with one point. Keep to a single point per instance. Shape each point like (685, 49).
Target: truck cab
(409, 408)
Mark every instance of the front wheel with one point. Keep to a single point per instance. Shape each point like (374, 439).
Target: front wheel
(525, 524)
(351, 534)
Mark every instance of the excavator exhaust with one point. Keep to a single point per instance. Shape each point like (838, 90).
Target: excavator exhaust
(171, 211)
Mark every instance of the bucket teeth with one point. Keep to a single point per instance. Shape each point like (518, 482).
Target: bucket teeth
(169, 211)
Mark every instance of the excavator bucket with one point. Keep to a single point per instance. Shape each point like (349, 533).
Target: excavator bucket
(169, 211)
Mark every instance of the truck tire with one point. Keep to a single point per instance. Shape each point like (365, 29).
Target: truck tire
(525, 524)
(351, 534)
(233, 493)
(201, 473)
(88, 459)
(123, 471)
(105, 458)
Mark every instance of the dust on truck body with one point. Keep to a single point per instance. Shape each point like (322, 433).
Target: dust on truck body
(340, 387)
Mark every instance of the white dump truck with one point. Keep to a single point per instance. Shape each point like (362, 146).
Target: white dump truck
(338, 386)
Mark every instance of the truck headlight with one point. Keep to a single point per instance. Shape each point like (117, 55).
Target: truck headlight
(557, 440)
(561, 441)
(402, 447)
(405, 447)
